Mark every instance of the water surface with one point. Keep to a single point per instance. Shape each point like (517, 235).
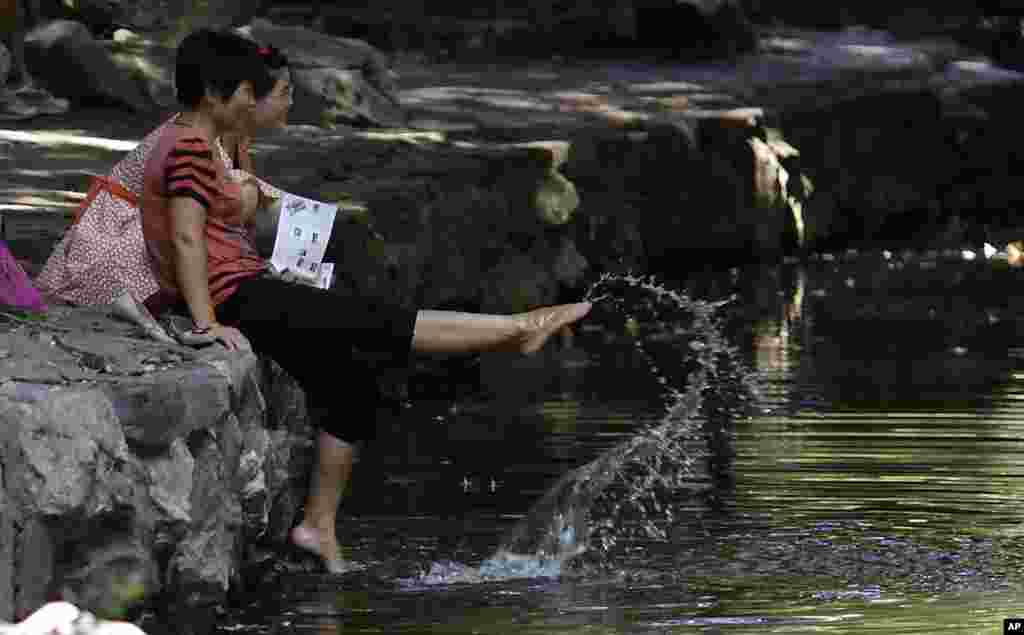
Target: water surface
(873, 484)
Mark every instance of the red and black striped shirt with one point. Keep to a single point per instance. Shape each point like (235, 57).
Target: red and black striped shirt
(183, 164)
(190, 171)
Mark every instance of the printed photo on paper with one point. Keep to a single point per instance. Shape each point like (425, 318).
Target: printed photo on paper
(303, 232)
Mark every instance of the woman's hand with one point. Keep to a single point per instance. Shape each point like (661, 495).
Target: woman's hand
(229, 336)
(298, 278)
(295, 277)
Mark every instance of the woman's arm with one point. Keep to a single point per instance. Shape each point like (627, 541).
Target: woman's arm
(188, 229)
(252, 200)
(188, 234)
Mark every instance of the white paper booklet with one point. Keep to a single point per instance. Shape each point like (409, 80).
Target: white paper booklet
(302, 234)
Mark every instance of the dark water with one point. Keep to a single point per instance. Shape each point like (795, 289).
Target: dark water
(871, 483)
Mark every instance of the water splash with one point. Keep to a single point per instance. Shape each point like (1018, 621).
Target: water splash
(640, 487)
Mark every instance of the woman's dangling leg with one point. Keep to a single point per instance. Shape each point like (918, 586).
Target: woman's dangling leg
(286, 322)
(317, 530)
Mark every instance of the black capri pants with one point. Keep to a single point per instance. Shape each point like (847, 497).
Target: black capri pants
(324, 340)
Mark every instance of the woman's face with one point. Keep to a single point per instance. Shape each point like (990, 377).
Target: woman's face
(229, 112)
(272, 110)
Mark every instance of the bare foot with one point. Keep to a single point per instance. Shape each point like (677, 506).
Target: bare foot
(325, 546)
(540, 324)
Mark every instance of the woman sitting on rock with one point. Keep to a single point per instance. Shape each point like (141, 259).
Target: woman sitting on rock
(193, 221)
(102, 260)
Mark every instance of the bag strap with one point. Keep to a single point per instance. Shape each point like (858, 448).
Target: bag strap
(99, 184)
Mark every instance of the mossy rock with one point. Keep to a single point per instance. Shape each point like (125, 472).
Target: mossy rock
(555, 199)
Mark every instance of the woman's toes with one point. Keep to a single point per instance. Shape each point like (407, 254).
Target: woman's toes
(321, 544)
(545, 322)
(306, 538)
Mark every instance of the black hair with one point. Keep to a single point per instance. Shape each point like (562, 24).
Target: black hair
(220, 61)
(274, 60)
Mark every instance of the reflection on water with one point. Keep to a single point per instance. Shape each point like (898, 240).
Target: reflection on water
(876, 490)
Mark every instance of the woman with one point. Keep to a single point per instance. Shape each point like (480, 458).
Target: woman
(193, 219)
(102, 260)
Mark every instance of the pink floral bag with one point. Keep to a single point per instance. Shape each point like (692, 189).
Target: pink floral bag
(15, 287)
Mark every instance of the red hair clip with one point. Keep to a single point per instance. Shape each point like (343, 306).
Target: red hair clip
(264, 51)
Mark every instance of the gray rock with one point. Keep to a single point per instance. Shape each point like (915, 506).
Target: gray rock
(169, 476)
(516, 284)
(7, 553)
(569, 266)
(147, 62)
(337, 80)
(330, 96)
(306, 48)
(98, 15)
(169, 21)
(157, 408)
(65, 453)
(63, 56)
(34, 566)
(205, 560)
(163, 477)
(423, 221)
(109, 576)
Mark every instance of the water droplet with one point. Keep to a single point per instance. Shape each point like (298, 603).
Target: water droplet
(634, 486)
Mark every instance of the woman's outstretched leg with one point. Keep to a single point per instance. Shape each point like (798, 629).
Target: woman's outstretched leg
(316, 533)
(454, 332)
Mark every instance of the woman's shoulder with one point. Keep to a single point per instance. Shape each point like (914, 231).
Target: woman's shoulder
(181, 141)
(137, 157)
(178, 149)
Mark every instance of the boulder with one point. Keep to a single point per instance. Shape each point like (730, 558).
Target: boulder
(7, 558)
(90, 482)
(668, 189)
(866, 159)
(148, 62)
(337, 80)
(446, 29)
(66, 60)
(98, 15)
(426, 222)
(166, 21)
